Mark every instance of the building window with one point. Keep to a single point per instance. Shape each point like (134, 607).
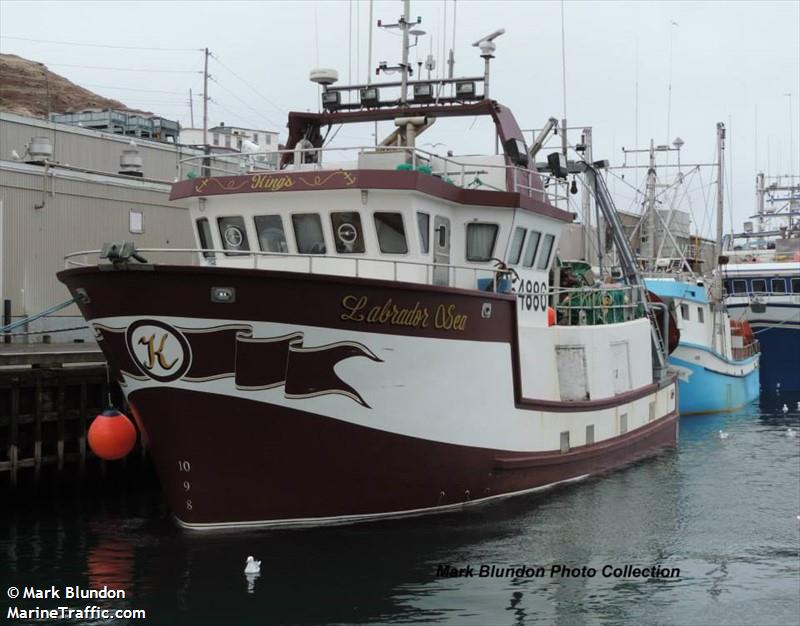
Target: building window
(216, 139)
(233, 233)
(424, 224)
(530, 249)
(700, 315)
(480, 241)
(271, 237)
(255, 138)
(204, 237)
(685, 311)
(308, 234)
(348, 236)
(136, 222)
(515, 250)
(759, 285)
(227, 140)
(796, 285)
(778, 285)
(547, 249)
(739, 286)
(267, 139)
(391, 233)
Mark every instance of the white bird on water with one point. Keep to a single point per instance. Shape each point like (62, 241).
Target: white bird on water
(791, 432)
(723, 434)
(252, 566)
(785, 408)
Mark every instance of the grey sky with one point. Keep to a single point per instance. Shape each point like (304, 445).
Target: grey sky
(731, 62)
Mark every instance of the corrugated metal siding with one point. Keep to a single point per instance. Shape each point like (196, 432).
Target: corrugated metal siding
(78, 215)
(89, 149)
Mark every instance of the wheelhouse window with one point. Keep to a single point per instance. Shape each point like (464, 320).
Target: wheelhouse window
(391, 233)
(480, 241)
(204, 237)
(685, 311)
(347, 232)
(759, 285)
(778, 285)
(424, 224)
(233, 234)
(530, 249)
(515, 251)
(308, 233)
(547, 250)
(700, 315)
(739, 286)
(796, 285)
(271, 237)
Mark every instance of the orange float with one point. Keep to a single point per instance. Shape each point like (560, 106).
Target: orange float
(111, 435)
(551, 316)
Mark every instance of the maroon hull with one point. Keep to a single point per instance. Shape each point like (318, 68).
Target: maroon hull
(249, 462)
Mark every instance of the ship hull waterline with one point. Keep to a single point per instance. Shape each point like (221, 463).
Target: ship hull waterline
(227, 458)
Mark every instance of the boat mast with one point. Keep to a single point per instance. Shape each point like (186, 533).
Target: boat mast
(648, 252)
(404, 63)
(717, 306)
(720, 184)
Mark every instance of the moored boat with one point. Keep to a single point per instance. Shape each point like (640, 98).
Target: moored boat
(371, 338)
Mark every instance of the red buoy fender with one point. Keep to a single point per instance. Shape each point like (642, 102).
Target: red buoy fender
(112, 435)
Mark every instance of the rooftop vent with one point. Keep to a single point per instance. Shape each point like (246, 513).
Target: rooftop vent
(39, 150)
(130, 163)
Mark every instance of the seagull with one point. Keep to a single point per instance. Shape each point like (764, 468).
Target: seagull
(791, 432)
(723, 434)
(785, 409)
(252, 566)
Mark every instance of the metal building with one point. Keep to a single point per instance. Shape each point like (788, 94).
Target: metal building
(76, 200)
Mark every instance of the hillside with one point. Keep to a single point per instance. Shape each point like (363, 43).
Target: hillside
(24, 88)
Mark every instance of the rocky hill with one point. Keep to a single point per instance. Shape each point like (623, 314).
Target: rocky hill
(25, 87)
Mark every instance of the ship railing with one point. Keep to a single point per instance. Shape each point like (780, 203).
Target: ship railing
(747, 351)
(605, 304)
(489, 279)
(466, 175)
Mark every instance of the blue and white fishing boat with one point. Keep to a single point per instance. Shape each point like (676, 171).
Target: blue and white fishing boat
(717, 359)
(762, 281)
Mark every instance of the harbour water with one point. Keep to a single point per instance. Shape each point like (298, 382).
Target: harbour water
(723, 511)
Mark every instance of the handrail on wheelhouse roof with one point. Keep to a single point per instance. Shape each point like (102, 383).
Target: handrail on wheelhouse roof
(304, 125)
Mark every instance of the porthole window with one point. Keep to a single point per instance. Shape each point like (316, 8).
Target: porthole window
(308, 233)
(391, 233)
(347, 232)
(233, 234)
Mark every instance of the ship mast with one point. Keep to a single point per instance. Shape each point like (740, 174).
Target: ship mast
(404, 62)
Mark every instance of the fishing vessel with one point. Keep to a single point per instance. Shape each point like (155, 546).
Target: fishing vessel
(716, 358)
(762, 280)
(370, 337)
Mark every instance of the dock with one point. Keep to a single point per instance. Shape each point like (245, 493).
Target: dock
(49, 394)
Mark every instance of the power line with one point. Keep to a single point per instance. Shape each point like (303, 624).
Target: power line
(124, 69)
(254, 110)
(174, 93)
(253, 89)
(99, 45)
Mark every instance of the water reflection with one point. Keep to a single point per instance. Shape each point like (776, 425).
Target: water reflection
(725, 513)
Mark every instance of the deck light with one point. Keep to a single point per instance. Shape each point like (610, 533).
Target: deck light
(369, 97)
(465, 90)
(423, 92)
(331, 100)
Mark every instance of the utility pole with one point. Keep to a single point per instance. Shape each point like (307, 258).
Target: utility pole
(191, 107)
(205, 98)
